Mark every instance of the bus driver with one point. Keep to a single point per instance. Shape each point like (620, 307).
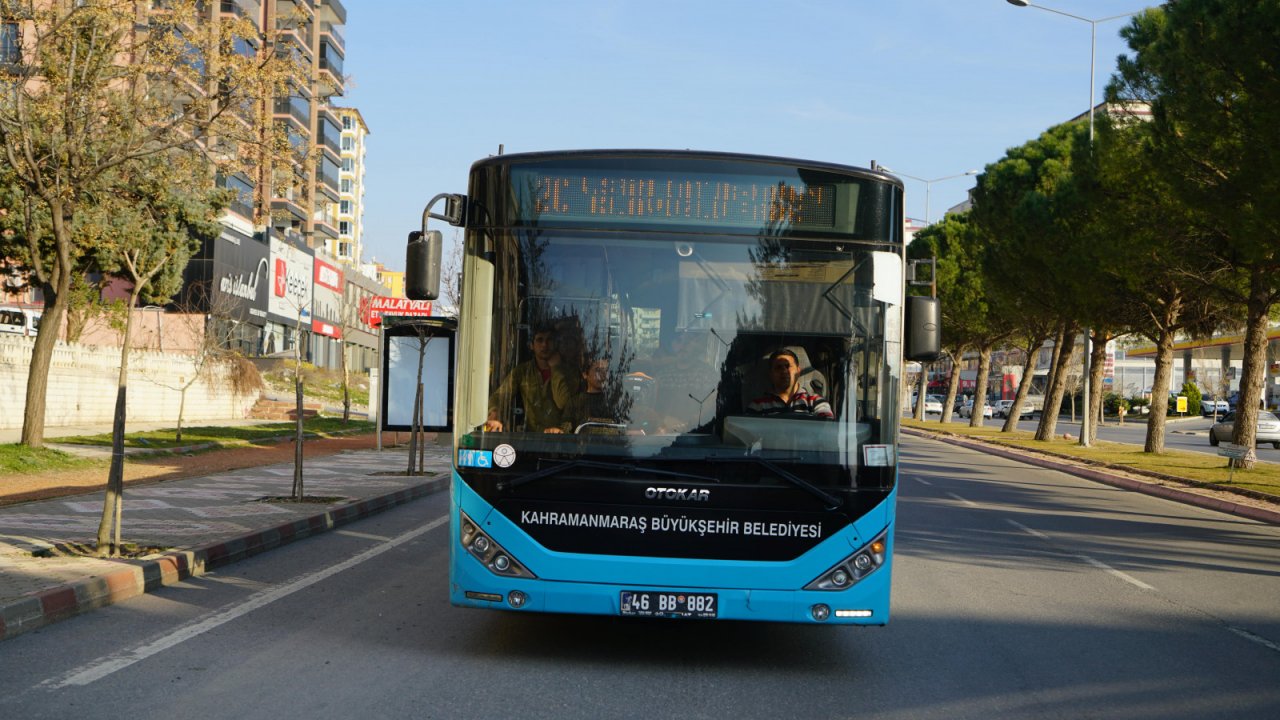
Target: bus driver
(787, 395)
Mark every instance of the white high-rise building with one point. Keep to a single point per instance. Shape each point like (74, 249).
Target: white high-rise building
(348, 246)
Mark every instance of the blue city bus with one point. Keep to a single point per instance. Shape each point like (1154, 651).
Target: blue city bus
(676, 277)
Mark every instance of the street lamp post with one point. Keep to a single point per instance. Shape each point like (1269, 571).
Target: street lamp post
(928, 184)
(933, 280)
(1086, 420)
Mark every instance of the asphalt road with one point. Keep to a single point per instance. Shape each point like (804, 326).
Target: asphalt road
(1019, 593)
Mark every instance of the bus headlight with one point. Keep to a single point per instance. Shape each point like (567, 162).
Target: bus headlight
(850, 570)
(489, 553)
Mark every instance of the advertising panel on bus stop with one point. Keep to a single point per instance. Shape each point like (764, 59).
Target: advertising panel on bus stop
(410, 345)
(289, 301)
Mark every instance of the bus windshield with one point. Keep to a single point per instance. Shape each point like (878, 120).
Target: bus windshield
(729, 357)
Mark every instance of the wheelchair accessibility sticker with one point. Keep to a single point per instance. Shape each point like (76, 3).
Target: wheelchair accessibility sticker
(475, 458)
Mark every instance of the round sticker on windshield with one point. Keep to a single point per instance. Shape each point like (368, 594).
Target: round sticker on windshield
(504, 455)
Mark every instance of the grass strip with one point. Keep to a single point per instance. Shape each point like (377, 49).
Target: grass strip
(227, 436)
(18, 459)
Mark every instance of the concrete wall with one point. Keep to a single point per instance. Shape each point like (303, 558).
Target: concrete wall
(83, 382)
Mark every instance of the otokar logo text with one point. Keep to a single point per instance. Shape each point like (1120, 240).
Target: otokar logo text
(664, 493)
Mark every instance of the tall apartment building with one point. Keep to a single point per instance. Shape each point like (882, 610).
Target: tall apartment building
(349, 246)
(279, 263)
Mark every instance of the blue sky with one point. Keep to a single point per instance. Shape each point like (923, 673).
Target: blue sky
(930, 88)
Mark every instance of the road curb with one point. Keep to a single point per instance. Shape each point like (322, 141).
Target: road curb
(1100, 476)
(59, 603)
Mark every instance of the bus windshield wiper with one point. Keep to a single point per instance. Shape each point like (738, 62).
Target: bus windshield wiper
(832, 502)
(597, 465)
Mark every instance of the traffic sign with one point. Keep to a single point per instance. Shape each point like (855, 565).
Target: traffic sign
(1235, 452)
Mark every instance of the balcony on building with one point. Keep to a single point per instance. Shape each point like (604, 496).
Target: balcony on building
(331, 66)
(294, 40)
(326, 223)
(329, 134)
(296, 109)
(327, 179)
(242, 199)
(290, 202)
(331, 11)
(285, 7)
(241, 8)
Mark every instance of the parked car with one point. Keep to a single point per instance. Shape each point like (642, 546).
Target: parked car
(1004, 407)
(1268, 429)
(19, 321)
(966, 410)
(932, 404)
(1209, 405)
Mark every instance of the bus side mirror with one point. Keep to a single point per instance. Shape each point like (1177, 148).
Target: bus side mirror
(923, 337)
(422, 265)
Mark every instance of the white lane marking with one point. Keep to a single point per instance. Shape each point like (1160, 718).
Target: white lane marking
(108, 665)
(923, 481)
(1091, 561)
(1026, 529)
(966, 502)
(1103, 566)
(1254, 638)
(362, 536)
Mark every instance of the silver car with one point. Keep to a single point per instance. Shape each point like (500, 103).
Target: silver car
(1268, 429)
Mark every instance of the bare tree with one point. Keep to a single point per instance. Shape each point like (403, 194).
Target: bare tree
(147, 232)
(208, 316)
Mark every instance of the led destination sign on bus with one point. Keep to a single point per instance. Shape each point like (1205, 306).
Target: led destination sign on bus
(678, 199)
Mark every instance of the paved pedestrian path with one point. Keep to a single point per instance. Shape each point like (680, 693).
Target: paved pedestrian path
(198, 523)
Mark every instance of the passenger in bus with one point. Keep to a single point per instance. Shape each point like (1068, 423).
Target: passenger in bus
(543, 389)
(570, 349)
(601, 401)
(787, 396)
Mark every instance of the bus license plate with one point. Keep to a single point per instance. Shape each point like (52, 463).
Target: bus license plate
(652, 603)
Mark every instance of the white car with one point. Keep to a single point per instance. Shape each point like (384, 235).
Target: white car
(1004, 407)
(1268, 429)
(966, 410)
(932, 404)
(1207, 407)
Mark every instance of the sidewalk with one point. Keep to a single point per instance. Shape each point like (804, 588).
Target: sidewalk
(201, 522)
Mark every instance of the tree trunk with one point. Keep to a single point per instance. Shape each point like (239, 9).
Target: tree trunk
(980, 387)
(1252, 372)
(1024, 385)
(346, 383)
(182, 408)
(921, 391)
(413, 430)
(1097, 368)
(42, 359)
(298, 492)
(1058, 387)
(1159, 407)
(113, 502)
(953, 387)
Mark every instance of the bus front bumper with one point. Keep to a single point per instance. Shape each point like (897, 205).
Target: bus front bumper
(863, 604)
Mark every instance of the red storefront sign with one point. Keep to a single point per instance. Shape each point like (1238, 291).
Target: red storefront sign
(372, 310)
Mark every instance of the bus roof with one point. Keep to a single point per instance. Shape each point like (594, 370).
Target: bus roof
(542, 156)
